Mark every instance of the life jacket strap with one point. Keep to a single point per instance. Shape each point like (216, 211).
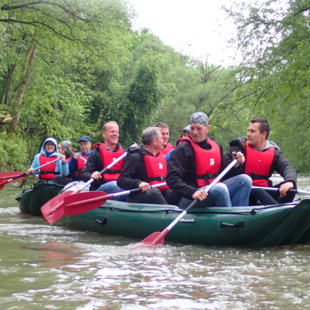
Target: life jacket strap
(112, 171)
(156, 179)
(207, 177)
(258, 176)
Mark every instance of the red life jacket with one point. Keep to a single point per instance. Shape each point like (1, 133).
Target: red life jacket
(47, 172)
(208, 162)
(107, 158)
(258, 165)
(68, 159)
(156, 167)
(167, 149)
(80, 166)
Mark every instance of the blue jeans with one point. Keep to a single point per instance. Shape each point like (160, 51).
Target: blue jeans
(239, 188)
(112, 188)
(232, 192)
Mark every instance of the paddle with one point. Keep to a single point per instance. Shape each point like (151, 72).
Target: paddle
(158, 237)
(84, 202)
(22, 176)
(10, 174)
(53, 210)
(297, 191)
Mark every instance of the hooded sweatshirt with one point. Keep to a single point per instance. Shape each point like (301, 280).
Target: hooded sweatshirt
(63, 169)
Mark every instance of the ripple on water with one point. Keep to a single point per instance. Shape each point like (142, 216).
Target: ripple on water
(51, 267)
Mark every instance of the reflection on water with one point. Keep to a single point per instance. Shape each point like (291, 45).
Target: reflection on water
(50, 267)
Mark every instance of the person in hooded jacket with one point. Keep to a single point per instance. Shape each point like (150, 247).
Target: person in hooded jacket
(146, 166)
(49, 153)
(262, 158)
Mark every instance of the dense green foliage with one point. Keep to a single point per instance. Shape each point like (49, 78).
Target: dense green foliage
(69, 66)
(274, 39)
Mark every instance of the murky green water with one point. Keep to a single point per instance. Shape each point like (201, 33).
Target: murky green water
(50, 267)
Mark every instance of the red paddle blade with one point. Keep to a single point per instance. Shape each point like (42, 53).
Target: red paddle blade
(3, 181)
(53, 210)
(2, 184)
(9, 175)
(152, 239)
(84, 202)
(156, 237)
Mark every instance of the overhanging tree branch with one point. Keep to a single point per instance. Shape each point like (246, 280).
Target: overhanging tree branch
(28, 5)
(33, 23)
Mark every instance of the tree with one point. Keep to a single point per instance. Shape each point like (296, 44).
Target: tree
(274, 39)
(49, 50)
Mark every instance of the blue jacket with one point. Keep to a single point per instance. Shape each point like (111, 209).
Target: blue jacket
(60, 167)
(168, 156)
(73, 165)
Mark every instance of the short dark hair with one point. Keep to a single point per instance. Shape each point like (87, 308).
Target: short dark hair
(149, 134)
(161, 125)
(264, 125)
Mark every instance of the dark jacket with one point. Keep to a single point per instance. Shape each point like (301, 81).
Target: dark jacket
(73, 164)
(280, 164)
(134, 170)
(94, 163)
(181, 176)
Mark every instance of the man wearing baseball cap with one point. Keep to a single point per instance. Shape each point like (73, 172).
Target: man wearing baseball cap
(186, 131)
(196, 161)
(77, 164)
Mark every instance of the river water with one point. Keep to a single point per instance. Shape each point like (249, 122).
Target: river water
(51, 267)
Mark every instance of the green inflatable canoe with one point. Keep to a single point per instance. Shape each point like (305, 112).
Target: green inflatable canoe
(31, 200)
(258, 226)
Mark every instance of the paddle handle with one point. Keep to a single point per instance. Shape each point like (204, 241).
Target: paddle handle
(276, 189)
(109, 196)
(206, 190)
(177, 219)
(26, 173)
(104, 170)
(84, 159)
(46, 164)
(136, 190)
